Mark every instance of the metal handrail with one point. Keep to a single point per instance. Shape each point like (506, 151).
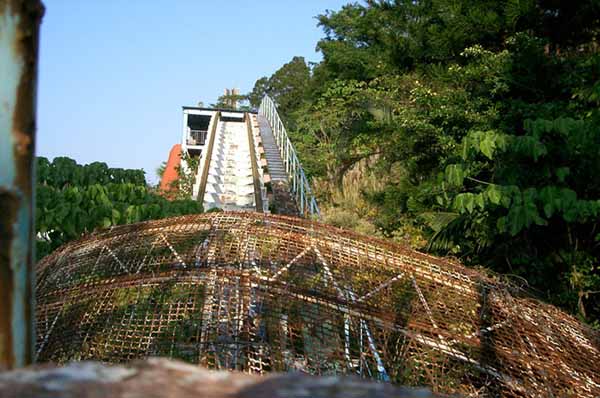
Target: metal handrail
(299, 185)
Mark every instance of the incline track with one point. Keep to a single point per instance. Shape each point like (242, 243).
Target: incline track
(230, 179)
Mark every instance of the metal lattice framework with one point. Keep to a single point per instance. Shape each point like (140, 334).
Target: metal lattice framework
(260, 293)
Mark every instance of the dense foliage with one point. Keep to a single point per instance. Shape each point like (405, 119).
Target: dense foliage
(469, 128)
(74, 199)
(182, 187)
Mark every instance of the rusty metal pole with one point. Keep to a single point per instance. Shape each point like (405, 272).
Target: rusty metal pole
(19, 30)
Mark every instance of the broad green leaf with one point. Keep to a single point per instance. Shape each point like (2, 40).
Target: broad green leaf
(480, 200)
(501, 224)
(464, 202)
(116, 216)
(106, 222)
(494, 194)
(517, 219)
(438, 220)
(551, 200)
(455, 175)
(488, 145)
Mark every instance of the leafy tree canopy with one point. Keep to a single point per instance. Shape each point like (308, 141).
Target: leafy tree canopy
(467, 128)
(73, 199)
(286, 86)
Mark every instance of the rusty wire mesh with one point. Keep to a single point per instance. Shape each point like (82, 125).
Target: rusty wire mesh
(262, 293)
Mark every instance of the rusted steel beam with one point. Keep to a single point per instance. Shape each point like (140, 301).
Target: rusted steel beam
(19, 33)
(256, 293)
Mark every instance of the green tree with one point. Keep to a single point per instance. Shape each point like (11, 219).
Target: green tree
(260, 89)
(72, 200)
(232, 101)
(479, 123)
(287, 86)
(160, 170)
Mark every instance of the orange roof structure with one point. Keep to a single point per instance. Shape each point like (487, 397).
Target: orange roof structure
(170, 175)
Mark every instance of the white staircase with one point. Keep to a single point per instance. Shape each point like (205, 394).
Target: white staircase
(229, 185)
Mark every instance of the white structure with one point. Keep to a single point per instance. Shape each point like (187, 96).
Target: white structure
(196, 125)
(230, 184)
(229, 179)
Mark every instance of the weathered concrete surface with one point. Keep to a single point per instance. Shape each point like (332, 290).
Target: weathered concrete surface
(157, 377)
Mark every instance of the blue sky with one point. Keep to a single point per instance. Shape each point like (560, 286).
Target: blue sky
(114, 74)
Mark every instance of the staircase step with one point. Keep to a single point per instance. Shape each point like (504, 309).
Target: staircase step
(275, 164)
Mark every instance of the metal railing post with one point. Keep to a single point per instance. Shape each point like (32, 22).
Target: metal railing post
(302, 199)
(289, 165)
(294, 178)
(19, 33)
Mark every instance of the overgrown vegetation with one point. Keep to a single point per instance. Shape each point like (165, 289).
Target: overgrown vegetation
(183, 186)
(468, 128)
(75, 199)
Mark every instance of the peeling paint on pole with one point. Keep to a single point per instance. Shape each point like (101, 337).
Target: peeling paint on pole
(19, 27)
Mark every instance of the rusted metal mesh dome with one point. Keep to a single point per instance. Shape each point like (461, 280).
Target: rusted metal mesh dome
(262, 293)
